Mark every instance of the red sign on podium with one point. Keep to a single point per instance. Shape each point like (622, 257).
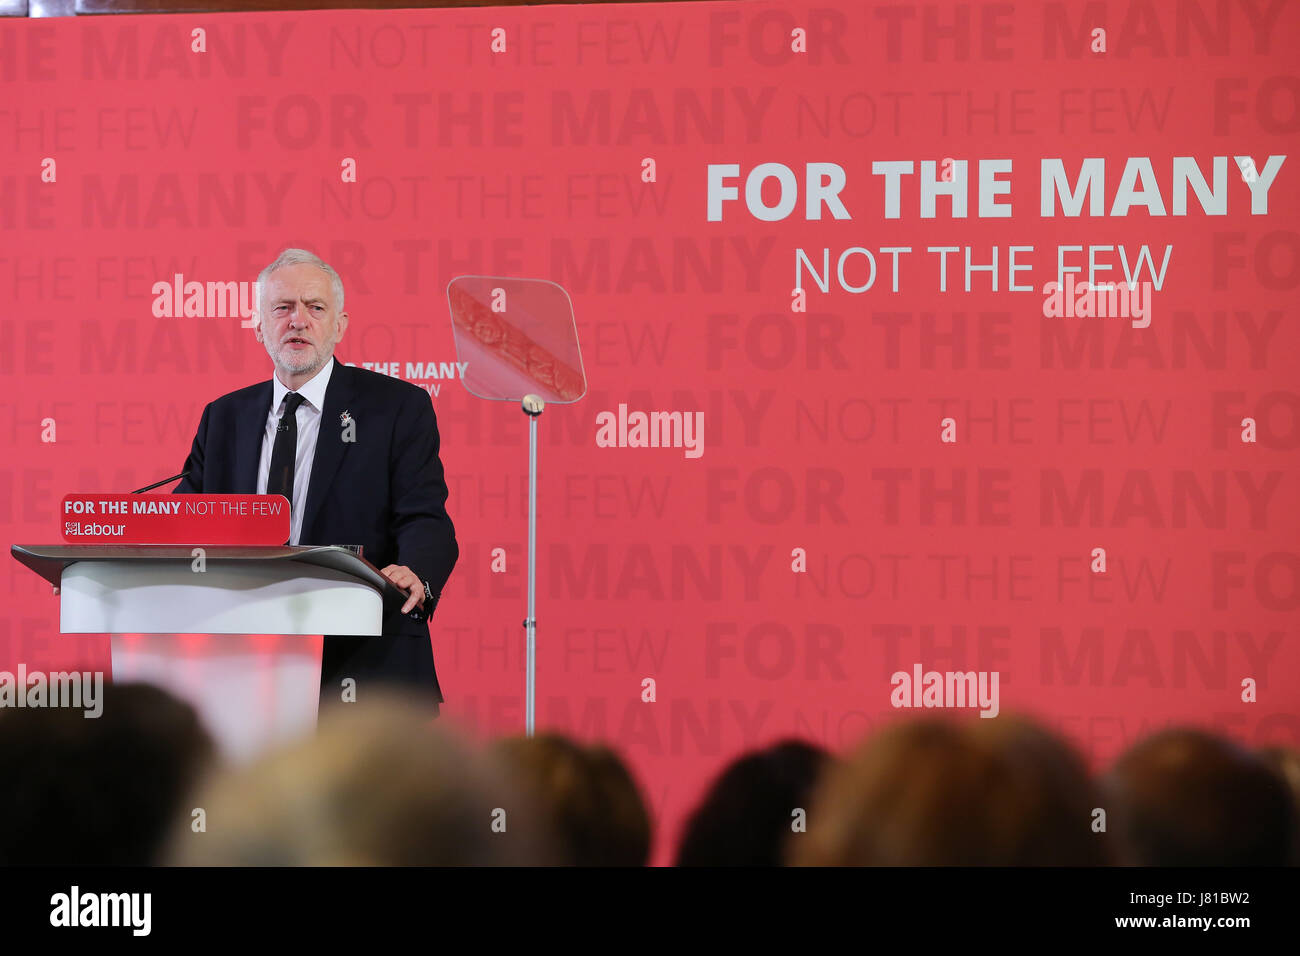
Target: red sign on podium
(175, 519)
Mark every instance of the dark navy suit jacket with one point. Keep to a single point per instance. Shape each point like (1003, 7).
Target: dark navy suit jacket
(385, 491)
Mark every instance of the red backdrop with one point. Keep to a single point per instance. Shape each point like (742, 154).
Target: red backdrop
(821, 428)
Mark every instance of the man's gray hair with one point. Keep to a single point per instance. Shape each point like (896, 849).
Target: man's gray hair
(295, 257)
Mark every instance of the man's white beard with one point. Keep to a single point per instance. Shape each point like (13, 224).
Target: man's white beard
(285, 363)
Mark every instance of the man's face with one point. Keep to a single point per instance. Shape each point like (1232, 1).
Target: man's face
(298, 320)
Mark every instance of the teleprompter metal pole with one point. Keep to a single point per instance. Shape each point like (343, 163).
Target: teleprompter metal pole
(532, 405)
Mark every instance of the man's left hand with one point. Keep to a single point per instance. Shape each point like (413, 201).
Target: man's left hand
(406, 579)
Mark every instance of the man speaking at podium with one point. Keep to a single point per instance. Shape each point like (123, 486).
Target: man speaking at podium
(356, 454)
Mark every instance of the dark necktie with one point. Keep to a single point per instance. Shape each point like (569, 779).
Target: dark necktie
(279, 480)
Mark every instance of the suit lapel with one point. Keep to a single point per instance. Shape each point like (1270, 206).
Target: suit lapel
(250, 432)
(330, 446)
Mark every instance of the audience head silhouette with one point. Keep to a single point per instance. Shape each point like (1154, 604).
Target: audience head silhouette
(1184, 797)
(377, 785)
(591, 803)
(99, 790)
(749, 810)
(940, 793)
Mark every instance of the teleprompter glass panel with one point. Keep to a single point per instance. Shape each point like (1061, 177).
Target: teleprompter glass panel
(516, 337)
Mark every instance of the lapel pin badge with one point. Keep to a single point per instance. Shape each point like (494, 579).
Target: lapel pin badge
(345, 419)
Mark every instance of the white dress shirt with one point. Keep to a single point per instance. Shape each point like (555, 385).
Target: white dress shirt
(308, 419)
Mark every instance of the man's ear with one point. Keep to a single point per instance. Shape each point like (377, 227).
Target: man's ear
(257, 324)
(343, 327)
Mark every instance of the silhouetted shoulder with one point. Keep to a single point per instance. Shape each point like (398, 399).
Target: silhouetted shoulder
(242, 395)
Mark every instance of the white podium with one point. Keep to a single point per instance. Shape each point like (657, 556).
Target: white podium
(238, 636)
